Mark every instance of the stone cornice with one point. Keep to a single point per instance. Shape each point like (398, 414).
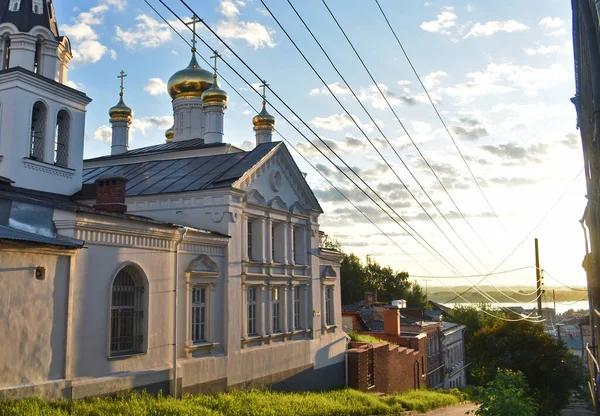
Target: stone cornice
(48, 168)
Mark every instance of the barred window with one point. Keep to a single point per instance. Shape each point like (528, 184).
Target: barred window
(276, 309)
(127, 313)
(199, 314)
(251, 300)
(38, 131)
(61, 142)
(297, 321)
(329, 305)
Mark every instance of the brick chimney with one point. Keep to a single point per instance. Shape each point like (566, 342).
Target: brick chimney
(391, 321)
(110, 194)
(370, 298)
(377, 313)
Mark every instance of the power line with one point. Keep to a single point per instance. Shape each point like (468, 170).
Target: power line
(366, 136)
(438, 257)
(473, 275)
(286, 140)
(301, 133)
(530, 232)
(438, 113)
(561, 283)
(403, 128)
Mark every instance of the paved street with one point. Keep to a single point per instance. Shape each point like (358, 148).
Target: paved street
(459, 410)
(576, 410)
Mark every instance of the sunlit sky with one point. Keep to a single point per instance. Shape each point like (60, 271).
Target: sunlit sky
(501, 74)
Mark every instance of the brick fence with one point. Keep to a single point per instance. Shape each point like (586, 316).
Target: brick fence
(394, 368)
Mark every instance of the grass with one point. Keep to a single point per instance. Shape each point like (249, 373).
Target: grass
(345, 402)
(356, 337)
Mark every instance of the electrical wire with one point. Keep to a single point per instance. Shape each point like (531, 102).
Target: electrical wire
(439, 257)
(438, 113)
(561, 283)
(367, 137)
(474, 275)
(302, 134)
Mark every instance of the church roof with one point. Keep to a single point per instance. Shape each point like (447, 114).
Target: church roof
(25, 19)
(179, 175)
(12, 234)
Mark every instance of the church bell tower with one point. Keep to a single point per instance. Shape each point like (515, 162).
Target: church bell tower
(42, 120)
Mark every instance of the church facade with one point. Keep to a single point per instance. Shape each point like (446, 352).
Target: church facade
(190, 266)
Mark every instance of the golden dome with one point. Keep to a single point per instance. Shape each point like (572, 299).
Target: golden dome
(170, 134)
(189, 82)
(214, 94)
(263, 119)
(120, 110)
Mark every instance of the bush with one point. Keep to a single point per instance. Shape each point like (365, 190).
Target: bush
(506, 395)
(356, 337)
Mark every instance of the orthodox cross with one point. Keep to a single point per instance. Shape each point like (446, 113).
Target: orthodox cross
(195, 19)
(215, 57)
(122, 75)
(264, 86)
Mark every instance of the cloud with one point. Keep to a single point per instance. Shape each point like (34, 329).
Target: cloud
(571, 141)
(87, 49)
(154, 122)
(444, 21)
(148, 33)
(253, 33)
(512, 181)
(434, 79)
(104, 134)
(336, 87)
(74, 85)
(338, 122)
(156, 86)
(493, 27)
(469, 134)
(565, 49)
(507, 77)
(552, 22)
(348, 144)
(512, 151)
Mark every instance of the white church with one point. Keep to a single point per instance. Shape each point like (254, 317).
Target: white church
(191, 266)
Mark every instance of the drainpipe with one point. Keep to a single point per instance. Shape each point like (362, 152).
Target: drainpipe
(348, 339)
(182, 231)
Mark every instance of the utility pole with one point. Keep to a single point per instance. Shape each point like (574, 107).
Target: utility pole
(538, 277)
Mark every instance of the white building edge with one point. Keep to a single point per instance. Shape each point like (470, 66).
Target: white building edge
(99, 259)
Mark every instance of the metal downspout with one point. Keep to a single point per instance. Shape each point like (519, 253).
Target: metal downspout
(182, 231)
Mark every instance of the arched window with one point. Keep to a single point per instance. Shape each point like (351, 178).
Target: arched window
(127, 313)
(6, 51)
(15, 5)
(38, 130)
(61, 142)
(37, 6)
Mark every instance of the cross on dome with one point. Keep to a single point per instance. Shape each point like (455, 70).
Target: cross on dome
(264, 86)
(215, 57)
(122, 75)
(195, 19)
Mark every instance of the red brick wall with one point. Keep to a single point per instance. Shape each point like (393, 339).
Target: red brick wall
(110, 194)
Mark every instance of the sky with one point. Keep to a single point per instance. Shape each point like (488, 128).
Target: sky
(500, 74)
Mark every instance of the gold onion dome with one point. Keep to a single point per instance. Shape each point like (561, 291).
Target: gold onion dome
(215, 94)
(120, 110)
(190, 82)
(263, 119)
(170, 134)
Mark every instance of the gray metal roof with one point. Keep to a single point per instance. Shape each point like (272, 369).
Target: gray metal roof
(181, 175)
(161, 148)
(25, 19)
(12, 234)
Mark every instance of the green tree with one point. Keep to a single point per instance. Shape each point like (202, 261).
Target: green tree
(506, 395)
(474, 318)
(550, 369)
(352, 275)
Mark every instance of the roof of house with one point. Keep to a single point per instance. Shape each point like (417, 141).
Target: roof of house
(25, 19)
(367, 316)
(178, 175)
(9, 234)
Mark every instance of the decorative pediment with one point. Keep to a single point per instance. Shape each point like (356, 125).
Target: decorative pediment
(255, 197)
(278, 203)
(327, 272)
(298, 208)
(203, 267)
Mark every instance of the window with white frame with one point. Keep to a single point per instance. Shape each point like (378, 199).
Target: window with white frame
(251, 301)
(38, 131)
(249, 241)
(15, 5)
(298, 244)
(273, 243)
(297, 307)
(199, 314)
(36, 7)
(329, 320)
(276, 308)
(127, 313)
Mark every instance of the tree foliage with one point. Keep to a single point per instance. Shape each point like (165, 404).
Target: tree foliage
(474, 318)
(506, 395)
(550, 369)
(356, 278)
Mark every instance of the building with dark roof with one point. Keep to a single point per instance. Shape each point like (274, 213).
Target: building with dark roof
(189, 266)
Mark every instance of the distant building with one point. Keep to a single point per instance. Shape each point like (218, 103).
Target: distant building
(453, 350)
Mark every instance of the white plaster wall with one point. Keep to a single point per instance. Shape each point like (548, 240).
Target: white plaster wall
(33, 316)
(17, 97)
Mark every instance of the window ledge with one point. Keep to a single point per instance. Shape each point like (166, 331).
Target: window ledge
(202, 345)
(48, 168)
(327, 328)
(125, 356)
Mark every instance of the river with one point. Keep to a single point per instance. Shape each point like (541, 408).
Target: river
(561, 307)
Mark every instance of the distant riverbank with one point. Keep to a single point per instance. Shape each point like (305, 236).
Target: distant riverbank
(561, 307)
